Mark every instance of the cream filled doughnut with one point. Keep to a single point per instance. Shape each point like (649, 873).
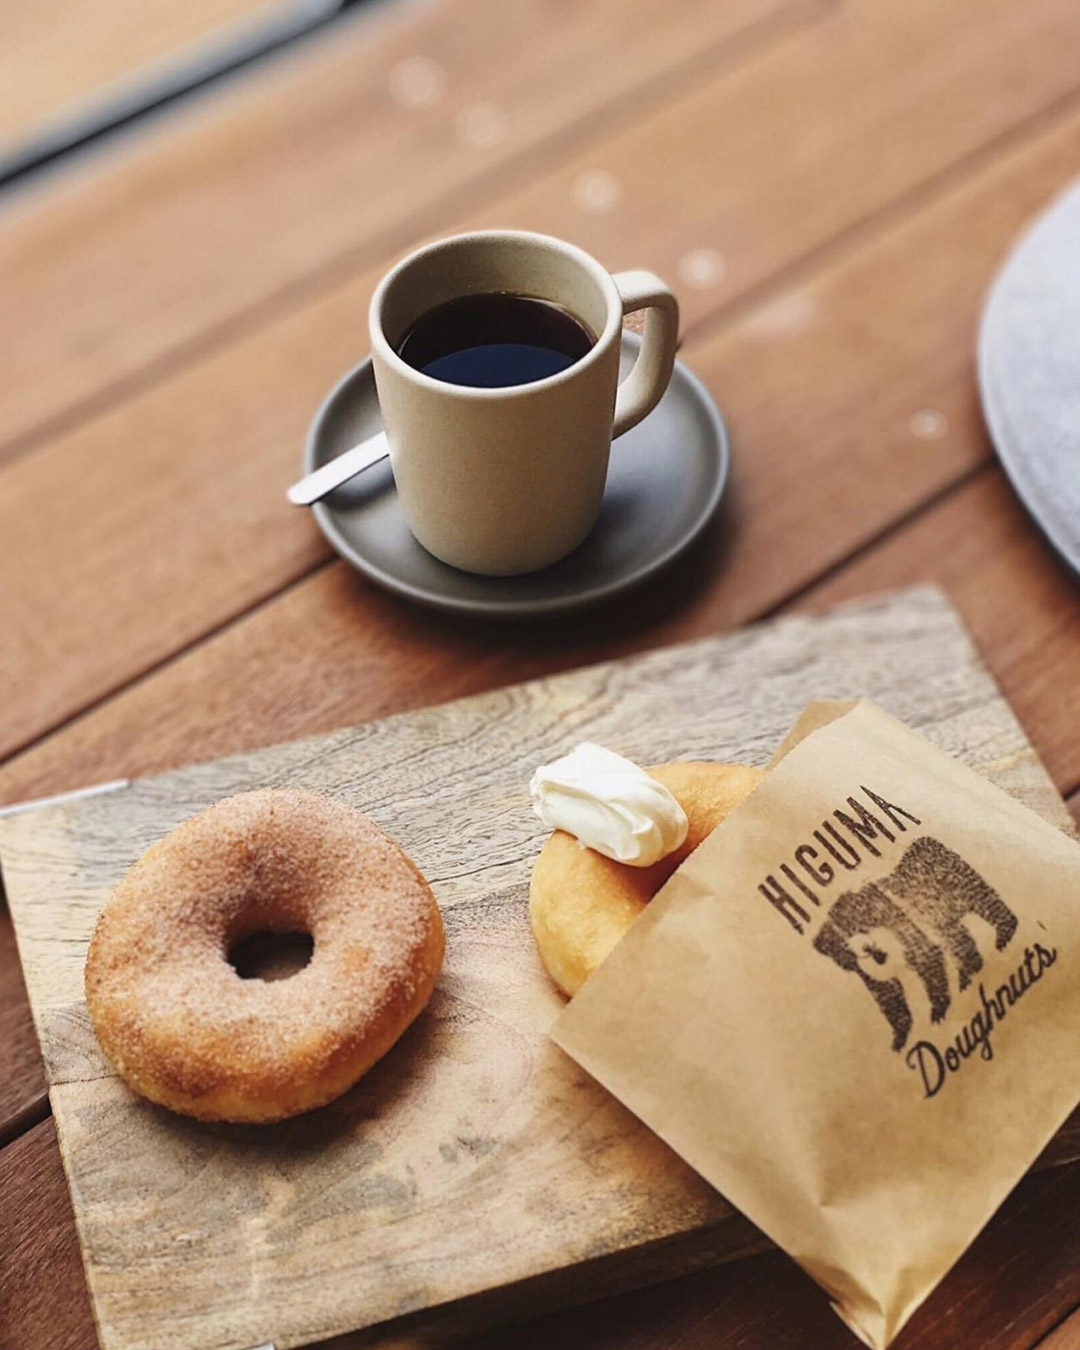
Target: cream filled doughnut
(177, 1021)
(581, 903)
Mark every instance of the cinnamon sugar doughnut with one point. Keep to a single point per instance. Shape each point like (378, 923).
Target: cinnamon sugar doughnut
(581, 903)
(178, 1023)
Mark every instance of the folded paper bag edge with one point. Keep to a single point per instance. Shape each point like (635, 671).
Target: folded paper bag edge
(820, 713)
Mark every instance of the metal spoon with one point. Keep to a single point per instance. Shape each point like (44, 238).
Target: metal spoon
(322, 481)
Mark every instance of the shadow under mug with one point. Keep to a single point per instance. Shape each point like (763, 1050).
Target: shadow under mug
(509, 480)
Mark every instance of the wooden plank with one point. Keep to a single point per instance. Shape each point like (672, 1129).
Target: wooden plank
(809, 486)
(1064, 1337)
(22, 1082)
(49, 70)
(766, 160)
(1017, 598)
(315, 1228)
(1018, 1279)
(336, 156)
(43, 1300)
(1021, 1275)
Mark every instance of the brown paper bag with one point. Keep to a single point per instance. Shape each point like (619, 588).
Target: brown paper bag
(855, 1009)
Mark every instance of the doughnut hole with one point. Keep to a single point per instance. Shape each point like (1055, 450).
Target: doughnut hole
(270, 936)
(266, 955)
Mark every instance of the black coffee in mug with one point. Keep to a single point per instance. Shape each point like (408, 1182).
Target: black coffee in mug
(492, 340)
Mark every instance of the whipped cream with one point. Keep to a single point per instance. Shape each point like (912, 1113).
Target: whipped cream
(609, 804)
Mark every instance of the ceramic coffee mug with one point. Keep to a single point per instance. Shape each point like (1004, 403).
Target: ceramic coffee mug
(508, 480)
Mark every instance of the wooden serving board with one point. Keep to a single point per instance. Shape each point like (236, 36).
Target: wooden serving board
(476, 1171)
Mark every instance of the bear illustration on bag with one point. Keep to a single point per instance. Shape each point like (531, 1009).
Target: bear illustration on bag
(917, 915)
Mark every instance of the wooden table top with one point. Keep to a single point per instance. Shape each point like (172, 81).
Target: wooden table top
(56, 66)
(829, 185)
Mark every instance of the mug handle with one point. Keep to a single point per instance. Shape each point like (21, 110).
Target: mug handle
(643, 388)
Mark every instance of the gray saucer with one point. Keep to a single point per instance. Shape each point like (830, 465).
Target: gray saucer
(665, 482)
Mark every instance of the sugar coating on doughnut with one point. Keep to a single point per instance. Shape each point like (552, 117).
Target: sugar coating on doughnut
(581, 904)
(183, 1028)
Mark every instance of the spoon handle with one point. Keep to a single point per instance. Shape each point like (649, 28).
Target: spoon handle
(318, 484)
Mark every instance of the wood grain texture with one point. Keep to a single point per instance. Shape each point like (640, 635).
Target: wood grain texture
(799, 159)
(1015, 595)
(123, 261)
(818, 473)
(313, 1228)
(1065, 1336)
(100, 592)
(22, 1083)
(43, 1300)
(53, 65)
(1018, 1278)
